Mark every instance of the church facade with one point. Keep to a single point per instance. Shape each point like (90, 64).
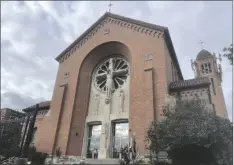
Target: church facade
(113, 81)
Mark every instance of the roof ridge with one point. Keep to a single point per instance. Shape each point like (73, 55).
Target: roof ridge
(80, 37)
(115, 16)
(189, 83)
(137, 20)
(163, 30)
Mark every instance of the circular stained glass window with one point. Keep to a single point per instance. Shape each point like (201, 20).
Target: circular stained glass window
(114, 70)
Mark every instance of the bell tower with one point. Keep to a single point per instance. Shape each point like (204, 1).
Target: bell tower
(206, 65)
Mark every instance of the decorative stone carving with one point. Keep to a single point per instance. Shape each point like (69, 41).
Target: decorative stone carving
(121, 101)
(107, 101)
(105, 131)
(106, 31)
(148, 57)
(96, 104)
(104, 128)
(111, 75)
(109, 83)
(66, 75)
(132, 26)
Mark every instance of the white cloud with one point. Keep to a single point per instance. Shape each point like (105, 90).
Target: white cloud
(35, 32)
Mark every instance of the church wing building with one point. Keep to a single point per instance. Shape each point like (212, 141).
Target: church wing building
(113, 81)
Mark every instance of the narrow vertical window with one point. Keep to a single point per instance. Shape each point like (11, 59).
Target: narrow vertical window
(213, 86)
(202, 68)
(206, 68)
(210, 70)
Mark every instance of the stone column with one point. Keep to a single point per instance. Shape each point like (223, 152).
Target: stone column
(105, 134)
(106, 124)
(85, 139)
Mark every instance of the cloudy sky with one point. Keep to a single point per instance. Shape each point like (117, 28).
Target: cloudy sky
(34, 33)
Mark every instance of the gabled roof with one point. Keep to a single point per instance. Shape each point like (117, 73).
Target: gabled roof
(45, 105)
(191, 83)
(129, 20)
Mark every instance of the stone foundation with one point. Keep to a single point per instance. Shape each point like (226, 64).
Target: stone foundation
(66, 159)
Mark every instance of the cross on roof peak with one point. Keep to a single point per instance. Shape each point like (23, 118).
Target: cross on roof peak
(110, 4)
(201, 42)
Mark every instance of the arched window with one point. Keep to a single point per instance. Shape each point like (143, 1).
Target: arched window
(116, 69)
(206, 68)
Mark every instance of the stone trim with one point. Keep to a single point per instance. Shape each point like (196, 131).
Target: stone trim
(122, 23)
(135, 25)
(148, 69)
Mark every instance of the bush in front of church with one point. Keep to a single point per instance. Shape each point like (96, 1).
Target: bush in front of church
(190, 133)
(36, 158)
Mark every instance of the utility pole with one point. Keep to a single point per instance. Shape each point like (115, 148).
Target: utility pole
(30, 132)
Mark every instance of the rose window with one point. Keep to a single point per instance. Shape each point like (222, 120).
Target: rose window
(112, 74)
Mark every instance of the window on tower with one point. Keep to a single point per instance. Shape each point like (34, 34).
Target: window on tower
(206, 68)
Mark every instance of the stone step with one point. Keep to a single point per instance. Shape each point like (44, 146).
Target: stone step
(101, 161)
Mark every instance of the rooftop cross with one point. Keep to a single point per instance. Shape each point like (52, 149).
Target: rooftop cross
(201, 42)
(110, 6)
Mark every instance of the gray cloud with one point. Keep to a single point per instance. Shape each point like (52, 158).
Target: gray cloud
(34, 33)
(17, 100)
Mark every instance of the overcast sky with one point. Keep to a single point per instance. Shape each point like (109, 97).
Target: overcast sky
(34, 33)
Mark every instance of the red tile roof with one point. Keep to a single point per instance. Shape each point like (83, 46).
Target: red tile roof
(197, 82)
(42, 106)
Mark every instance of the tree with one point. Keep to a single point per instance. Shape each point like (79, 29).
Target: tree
(129, 157)
(129, 153)
(190, 131)
(228, 52)
(10, 136)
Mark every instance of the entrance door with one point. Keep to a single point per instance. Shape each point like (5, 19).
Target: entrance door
(120, 137)
(93, 140)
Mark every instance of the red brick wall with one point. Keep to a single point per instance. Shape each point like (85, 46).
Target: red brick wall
(134, 45)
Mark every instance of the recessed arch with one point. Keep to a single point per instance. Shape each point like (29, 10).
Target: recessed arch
(81, 103)
(104, 50)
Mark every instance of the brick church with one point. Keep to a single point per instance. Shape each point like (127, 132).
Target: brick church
(112, 82)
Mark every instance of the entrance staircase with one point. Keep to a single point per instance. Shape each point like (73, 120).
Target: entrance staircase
(76, 160)
(101, 161)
